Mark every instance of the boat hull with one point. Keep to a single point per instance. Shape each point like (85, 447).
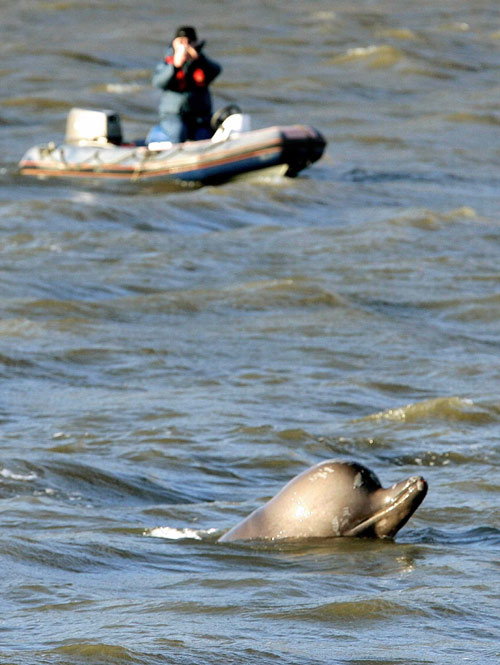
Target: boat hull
(295, 146)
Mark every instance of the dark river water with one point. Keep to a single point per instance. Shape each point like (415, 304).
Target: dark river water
(170, 357)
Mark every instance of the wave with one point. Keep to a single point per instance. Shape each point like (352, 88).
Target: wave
(98, 652)
(359, 609)
(440, 408)
(9, 361)
(20, 477)
(475, 118)
(382, 56)
(481, 535)
(37, 103)
(256, 295)
(79, 652)
(430, 219)
(89, 485)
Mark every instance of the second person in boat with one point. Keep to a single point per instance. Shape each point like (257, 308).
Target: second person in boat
(186, 103)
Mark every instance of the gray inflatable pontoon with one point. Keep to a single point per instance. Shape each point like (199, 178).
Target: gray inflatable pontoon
(93, 148)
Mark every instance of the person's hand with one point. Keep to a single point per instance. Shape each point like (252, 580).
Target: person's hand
(191, 51)
(183, 51)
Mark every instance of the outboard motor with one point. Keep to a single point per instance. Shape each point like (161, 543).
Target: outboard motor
(86, 127)
(229, 120)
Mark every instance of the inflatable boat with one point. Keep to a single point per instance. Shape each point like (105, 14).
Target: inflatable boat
(93, 148)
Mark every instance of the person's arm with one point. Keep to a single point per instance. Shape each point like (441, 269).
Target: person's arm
(210, 68)
(163, 73)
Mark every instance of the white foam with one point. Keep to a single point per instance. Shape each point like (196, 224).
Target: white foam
(177, 534)
(10, 475)
(122, 88)
(361, 51)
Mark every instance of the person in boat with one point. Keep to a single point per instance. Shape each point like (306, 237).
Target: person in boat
(184, 76)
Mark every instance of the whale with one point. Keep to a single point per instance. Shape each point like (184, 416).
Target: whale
(332, 499)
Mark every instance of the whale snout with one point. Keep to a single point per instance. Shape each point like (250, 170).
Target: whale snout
(401, 501)
(391, 509)
(411, 486)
